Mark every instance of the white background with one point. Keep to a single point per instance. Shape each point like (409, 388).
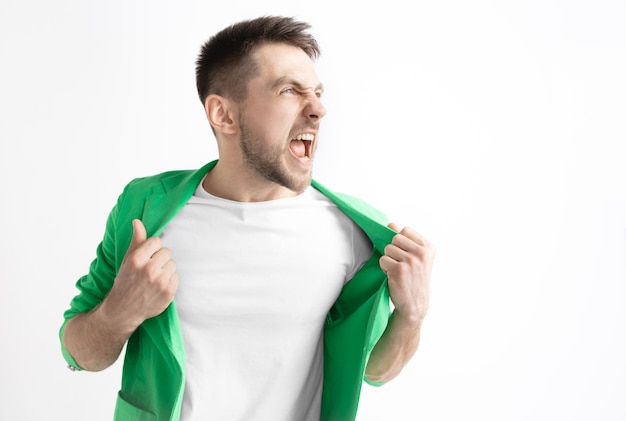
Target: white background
(496, 128)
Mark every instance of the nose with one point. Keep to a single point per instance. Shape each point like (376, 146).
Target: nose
(315, 110)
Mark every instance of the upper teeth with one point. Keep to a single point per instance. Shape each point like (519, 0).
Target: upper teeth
(306, 136)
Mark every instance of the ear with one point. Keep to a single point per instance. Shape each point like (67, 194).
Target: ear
(221, 114)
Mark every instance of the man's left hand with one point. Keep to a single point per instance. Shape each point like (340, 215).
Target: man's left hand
(408, 262)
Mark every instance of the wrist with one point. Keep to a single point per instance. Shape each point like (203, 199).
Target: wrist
(113, 322)
(410, 319)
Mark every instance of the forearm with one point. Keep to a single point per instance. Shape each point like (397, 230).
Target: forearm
(394, 349)
(93, 341)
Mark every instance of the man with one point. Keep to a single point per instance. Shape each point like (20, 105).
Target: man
(277, 306)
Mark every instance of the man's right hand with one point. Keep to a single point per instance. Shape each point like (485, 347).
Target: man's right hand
(144, 286)
(145, 283)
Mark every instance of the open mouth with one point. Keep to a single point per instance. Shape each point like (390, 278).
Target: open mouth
(302, 146)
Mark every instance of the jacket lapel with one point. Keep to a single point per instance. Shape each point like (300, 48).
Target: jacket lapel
(170, 197)
(372, 222)
(160, 207)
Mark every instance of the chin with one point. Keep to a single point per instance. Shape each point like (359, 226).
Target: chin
(299, 186)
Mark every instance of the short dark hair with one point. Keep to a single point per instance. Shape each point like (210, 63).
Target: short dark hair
(225, 64)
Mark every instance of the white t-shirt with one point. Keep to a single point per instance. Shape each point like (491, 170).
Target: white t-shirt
(256, 282)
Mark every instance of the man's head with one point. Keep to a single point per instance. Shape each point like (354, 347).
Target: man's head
(262, 96)
(226, 63)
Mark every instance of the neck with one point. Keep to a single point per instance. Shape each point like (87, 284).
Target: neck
(234, 182)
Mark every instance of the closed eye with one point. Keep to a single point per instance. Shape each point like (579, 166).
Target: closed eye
(290, 86)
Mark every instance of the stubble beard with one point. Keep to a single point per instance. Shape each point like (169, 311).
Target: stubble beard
(266, 163)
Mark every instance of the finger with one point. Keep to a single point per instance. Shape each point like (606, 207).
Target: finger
(388, 264)
(403, 242)
(385, 263)
(161, 257)
(169, 278)
(394, 226)
(414, 236)
(139, 235)
(409, 232)
(403, 252)
(140, 245)
(174, 279)
(169, 269)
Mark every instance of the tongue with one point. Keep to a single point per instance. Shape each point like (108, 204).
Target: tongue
(297, 148)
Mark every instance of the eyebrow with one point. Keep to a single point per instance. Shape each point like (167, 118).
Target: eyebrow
(287, 80)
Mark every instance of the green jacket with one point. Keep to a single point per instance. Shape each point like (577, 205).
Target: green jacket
(153, 376)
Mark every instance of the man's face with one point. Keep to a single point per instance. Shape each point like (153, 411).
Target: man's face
(279, 119)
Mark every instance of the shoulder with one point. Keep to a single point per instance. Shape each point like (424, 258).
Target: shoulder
(168, 181)
(171, 184)
(157, 180)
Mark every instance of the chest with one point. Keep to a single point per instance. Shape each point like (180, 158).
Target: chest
(260, 266)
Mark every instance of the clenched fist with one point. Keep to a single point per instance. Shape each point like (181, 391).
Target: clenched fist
(408, 263)
(145, 283)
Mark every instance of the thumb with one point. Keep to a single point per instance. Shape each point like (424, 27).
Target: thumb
(139, 235)
(394, 226)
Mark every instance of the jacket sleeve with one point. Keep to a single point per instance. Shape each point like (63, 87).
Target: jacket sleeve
(95, 285)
